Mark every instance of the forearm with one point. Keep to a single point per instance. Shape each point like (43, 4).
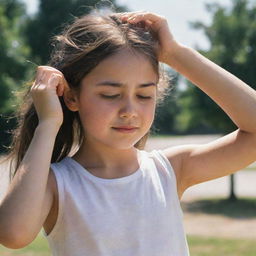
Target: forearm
(235, 97)
(21, 207)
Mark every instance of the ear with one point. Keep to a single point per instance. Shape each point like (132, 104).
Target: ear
(71, 100)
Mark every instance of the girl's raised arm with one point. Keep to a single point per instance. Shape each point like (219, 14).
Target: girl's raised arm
(29, 197)
(198, 163)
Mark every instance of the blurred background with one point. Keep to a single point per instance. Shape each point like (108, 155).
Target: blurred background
(220, 215)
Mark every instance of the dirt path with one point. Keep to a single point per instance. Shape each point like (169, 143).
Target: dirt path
(219, 226)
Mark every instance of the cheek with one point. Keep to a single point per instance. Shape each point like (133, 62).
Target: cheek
(147, 114)
(93, 112)
(149, 111)
(150, 118)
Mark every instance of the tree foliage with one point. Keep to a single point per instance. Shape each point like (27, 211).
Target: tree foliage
(166, 111)
(232, 38)
(13, 65)
(13, 52)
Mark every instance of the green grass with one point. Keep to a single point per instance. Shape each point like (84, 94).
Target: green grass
(199, 246)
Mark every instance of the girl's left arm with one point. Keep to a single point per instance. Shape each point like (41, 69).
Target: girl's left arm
(232, 152)
(198, 163)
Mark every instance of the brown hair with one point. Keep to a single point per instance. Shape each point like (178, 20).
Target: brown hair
(77, 50)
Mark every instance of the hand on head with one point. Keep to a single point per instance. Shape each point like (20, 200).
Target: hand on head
(158, 25)
(48, 85)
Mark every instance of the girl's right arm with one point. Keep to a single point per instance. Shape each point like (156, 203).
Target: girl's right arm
(29, 197)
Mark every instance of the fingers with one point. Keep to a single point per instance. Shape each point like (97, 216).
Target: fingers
(39, 79)
(53, 81)
(49, 76)
(150, 21)
(134, 17)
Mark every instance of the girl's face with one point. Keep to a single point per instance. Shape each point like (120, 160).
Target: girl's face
(118, 93)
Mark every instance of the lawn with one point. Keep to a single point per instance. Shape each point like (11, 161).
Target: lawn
(199, 246)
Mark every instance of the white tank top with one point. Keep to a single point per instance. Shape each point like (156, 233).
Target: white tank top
(136, 215)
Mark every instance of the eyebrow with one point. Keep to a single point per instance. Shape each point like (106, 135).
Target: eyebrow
(115, 84)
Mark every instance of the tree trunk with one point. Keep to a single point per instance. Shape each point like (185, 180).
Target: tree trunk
(232, 195)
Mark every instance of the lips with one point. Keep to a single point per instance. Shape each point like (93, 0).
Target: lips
(126, 129)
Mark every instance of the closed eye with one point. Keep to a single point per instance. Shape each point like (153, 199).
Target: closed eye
(109, 96)
(117, 95)
(144, 97)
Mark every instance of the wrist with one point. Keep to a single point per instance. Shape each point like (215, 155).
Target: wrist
(172, 55)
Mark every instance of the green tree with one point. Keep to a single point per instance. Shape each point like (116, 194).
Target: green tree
(13, 65)
(166, 111)
(232, 37)
(13, 51)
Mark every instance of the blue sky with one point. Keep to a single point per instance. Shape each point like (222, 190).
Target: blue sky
(177, 12)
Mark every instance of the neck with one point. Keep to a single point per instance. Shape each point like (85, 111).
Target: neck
(107, 162)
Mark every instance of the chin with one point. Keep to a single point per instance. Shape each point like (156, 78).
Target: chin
(121, 146)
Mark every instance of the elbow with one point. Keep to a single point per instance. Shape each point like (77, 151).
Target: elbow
(14, 235)
(14, 243)
(14, 240)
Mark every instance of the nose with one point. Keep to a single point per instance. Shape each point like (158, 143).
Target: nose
(128, 109)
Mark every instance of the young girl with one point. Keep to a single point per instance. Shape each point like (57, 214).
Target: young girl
(99, 93)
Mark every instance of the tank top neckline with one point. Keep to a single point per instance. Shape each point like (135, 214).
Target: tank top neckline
(89, 175)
